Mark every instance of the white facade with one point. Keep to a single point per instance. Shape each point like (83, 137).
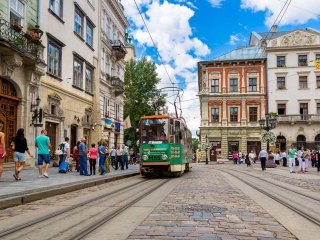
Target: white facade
(294, 85)
(112, 26)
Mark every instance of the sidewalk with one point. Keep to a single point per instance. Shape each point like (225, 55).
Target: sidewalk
(32, 188)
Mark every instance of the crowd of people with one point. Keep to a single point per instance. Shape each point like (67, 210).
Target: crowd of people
(81, 158)
(301, 157)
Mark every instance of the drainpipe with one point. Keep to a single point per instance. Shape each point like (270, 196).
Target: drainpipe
(38, 13)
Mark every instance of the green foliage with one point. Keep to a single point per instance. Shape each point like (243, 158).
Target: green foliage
(195, 143)
(141, 95)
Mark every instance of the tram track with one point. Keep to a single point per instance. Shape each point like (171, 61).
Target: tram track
(289, 202)
(22, 228)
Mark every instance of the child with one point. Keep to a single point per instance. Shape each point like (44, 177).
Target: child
(93, 152)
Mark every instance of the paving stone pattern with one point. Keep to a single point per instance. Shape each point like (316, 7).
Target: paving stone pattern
(206, 207)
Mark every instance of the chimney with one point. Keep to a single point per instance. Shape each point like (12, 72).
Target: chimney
(274, 28)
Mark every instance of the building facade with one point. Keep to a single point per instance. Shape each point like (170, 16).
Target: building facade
(293, 85)
(232, 92)
(67, 89)
(112, 51)
(21, 67)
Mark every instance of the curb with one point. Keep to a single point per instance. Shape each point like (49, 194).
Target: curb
(12, 200)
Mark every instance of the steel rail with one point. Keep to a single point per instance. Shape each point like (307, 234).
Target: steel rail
(98, 223)
(277, 199)
(276, 184)
(19, 227)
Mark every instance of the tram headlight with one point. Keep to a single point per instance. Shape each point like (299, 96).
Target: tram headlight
(145, 157)
(164, 157)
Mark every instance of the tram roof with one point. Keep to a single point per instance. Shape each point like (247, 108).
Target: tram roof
(155, 117)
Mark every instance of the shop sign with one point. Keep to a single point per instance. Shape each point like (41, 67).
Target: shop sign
(108, 123)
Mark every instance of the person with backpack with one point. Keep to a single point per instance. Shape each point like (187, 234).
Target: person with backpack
(65, 150)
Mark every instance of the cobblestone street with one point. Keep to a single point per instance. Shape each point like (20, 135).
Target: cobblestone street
(205, 206)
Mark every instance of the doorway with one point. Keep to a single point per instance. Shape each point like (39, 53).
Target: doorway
(254, 146)
(73, 136)
(215, 150)
(52, 134)
(281, 143)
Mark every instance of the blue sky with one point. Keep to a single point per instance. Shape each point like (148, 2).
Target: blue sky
(188, 31)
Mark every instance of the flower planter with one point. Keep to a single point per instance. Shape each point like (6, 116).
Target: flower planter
(17, 28)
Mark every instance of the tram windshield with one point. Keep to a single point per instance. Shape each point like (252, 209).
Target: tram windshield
(154, 130)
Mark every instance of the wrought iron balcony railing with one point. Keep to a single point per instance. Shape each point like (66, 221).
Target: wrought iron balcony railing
(117, 85)
(118, 49)
(299, 118)
(18, 40)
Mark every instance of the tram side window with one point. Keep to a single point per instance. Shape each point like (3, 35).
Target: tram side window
(177, 132)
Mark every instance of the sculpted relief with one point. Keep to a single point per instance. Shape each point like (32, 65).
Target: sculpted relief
(298, 38)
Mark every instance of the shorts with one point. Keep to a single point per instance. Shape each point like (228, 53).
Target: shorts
(19, 157)
(43, 158)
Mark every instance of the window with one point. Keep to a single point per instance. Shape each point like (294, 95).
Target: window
(281, 82)
(281, 61)
(54, 58)
(214, 85)
(56, 6)
(253, 114)
(303, 108)
(89, 35)
(233, 82)
(281, 109)
(302, 60)
(317, 56)
(77, 72)
(318, 108)
(16, 12)
(252, 85)
(214, 114)
(234, 114)
(318, 81)
(117, 111)
(303, 82)
(89, 78)
(78, 22)
(106, 107)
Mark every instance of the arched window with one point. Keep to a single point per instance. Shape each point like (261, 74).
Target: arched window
(317, 140)
(301, 141)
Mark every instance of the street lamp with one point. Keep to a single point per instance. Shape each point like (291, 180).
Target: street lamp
(37, 114)
(206, 149)
(270, 122)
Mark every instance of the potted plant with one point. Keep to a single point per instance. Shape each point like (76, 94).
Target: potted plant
(16, 26)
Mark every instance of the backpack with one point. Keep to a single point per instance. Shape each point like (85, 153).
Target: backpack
(60, 149)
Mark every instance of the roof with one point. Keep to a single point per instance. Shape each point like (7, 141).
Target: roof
(154, 117)
(272, 35)
(245, 53)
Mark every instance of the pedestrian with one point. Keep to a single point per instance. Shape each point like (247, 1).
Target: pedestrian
(2, 149)
(76, 156)
(20, 146)
(125, 154)
(119, 157)
(263, 156)
(277, 158)
(313, 158)
(83, 151)
(239, 157)
(292, 155)
(318, 159)
(252, 157)
(93, 152)
(108, 160)
(284, 158)
(235, 157)
(65, 150)
(43, 144)
(305, 161)
(247, 161)
(300, 159)
(102, 158)
(113, 156)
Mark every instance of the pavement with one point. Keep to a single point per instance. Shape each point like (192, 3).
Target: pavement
(32, 188)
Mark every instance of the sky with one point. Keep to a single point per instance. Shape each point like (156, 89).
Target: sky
(188, 31)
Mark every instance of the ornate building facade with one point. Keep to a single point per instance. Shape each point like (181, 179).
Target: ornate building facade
(112, 51)
(21, 67)
(232, 92)
(293, 84)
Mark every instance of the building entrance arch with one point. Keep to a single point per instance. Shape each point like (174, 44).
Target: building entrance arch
(301, 141)
(8, 114)
(317, 140)
(281, 143)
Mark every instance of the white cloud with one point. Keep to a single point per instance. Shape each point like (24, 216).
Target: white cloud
(169, 25)
(299, 12)
(216, 3)
(234, 39)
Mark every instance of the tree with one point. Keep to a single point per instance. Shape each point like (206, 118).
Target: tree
(195, 144)
(141, 95)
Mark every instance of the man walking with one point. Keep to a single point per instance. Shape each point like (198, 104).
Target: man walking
(263, 156)
(83, 151)
(119, 157)
(43, 145)
(113, 155)
(284, 158)
(292, 158)
(125, 153)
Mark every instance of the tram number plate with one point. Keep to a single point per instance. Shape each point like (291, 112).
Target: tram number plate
(154, 158)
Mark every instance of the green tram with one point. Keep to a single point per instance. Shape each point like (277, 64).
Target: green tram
(166, 146)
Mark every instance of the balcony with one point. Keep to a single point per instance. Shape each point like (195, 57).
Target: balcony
(11, 36)
(117, 85)
(309, 118)
(118, 50)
